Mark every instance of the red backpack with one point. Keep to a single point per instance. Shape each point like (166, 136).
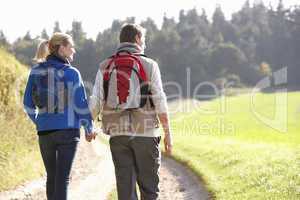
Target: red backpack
(125, 82)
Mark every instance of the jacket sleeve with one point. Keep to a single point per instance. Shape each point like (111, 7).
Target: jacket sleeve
(28, 104)
(80, 102)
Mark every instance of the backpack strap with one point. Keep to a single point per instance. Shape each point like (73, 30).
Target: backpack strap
(148, 89)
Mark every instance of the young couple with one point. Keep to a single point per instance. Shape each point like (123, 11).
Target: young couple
(129, 96)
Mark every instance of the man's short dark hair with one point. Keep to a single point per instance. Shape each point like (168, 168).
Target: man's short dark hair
(130, 31)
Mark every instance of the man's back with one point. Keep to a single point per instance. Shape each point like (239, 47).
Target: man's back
(135, 135)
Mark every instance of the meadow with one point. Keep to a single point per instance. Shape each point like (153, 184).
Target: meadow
(235, 153)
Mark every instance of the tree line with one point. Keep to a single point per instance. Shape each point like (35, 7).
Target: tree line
(255, 42)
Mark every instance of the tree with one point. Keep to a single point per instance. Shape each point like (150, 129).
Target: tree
(56, 27)
(204, 16)
(78, 35)
(218, 49)
(87, 60)
(24, 48)
(44, 35)
(3, 41)
(294, 44)
(226, 58)
(27, 37)
(265, 69)
(152, 31)
(280, 37)
(222, 28)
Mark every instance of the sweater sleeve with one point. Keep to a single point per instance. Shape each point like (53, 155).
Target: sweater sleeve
(28, 104)
(96, 99)
(80, 102)
(158, 95)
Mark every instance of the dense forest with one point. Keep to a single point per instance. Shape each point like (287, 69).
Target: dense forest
(256, 41)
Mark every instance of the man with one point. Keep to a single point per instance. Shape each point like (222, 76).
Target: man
(129, 95)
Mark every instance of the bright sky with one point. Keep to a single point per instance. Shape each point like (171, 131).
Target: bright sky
(17, 17)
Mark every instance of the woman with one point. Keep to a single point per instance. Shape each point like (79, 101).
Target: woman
(56, 102)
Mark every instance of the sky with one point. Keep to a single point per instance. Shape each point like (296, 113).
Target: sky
(19, 16)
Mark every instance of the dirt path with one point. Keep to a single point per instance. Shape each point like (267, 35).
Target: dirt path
(93, 179)
(179, 183)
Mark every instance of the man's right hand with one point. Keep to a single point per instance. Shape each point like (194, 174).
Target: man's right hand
(168, 142)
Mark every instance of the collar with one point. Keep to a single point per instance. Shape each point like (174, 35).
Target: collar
(131, 47)
(57, 58)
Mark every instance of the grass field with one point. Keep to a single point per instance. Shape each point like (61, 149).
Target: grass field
(19, 156)
(237, 155)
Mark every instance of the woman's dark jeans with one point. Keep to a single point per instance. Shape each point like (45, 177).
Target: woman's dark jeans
(58, 150)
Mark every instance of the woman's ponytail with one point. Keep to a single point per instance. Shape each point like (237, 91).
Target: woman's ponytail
(42, 51)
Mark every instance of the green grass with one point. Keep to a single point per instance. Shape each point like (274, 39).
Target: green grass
(19, 155)
(113, 195)
(237, 155)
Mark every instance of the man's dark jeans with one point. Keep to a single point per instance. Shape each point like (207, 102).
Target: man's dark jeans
(136, 160)
(58, 151)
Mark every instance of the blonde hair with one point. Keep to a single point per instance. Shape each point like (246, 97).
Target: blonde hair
(46, 47)
(42, 52)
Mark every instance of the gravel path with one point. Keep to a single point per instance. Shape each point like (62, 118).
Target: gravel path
(179, 183)
(93, 179)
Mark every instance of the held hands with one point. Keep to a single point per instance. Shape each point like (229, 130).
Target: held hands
(168, 142)
(90, 136)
